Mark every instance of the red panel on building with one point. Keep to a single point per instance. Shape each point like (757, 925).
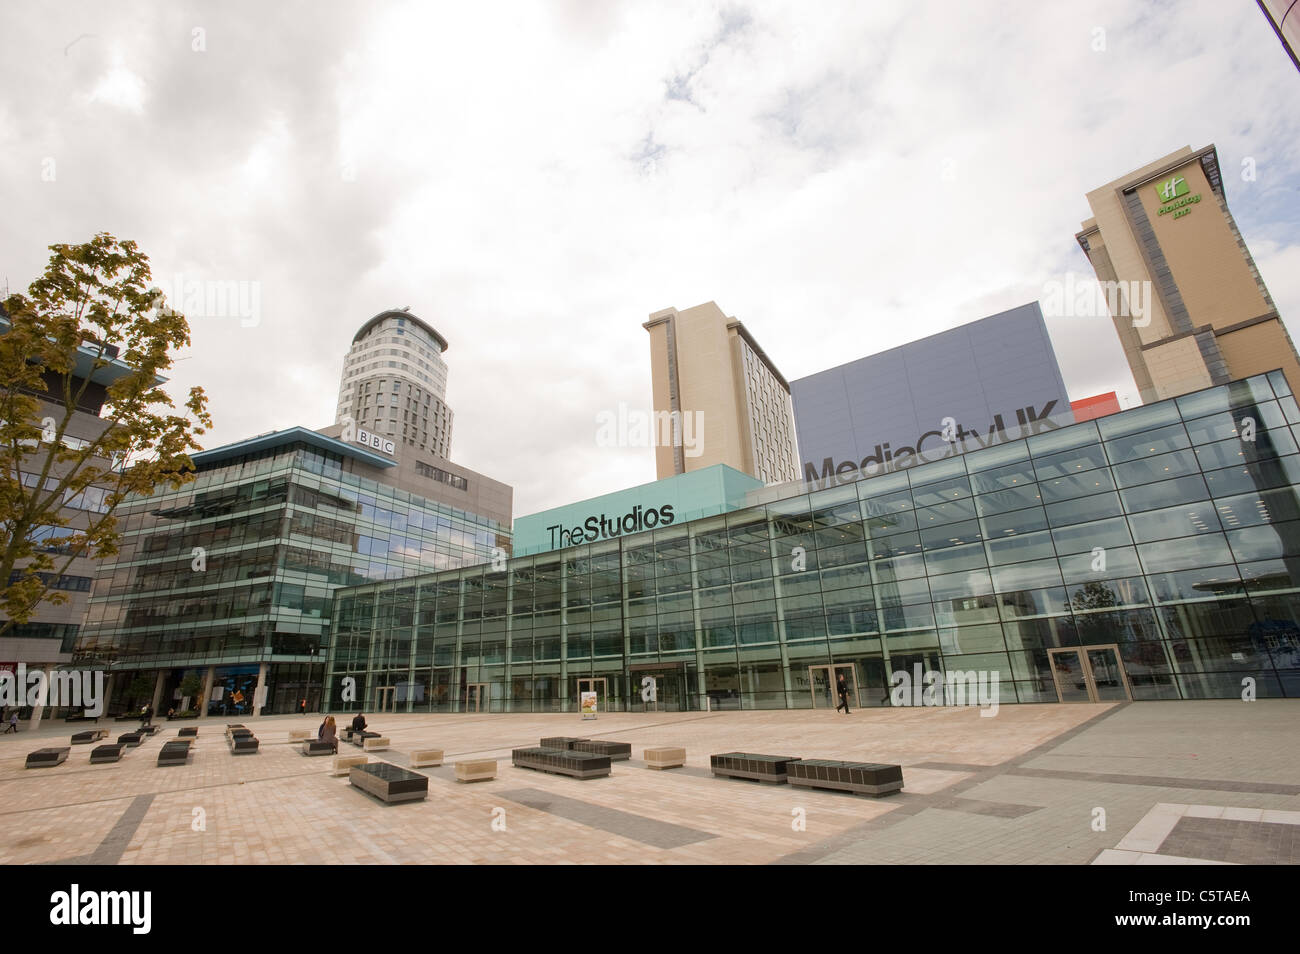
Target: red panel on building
(1099, 405)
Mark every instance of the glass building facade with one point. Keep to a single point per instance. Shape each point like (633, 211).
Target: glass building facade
(236, 570)
(1150, 554)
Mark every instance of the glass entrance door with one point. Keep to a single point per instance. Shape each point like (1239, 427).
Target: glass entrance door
(823, 681)
(476, 697)
(667, 692)
(384, 698)
(596, 684)
(1089, 674)
(1109, 681)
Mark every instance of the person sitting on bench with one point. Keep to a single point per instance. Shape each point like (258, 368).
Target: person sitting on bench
(359, 723)
(329, 733)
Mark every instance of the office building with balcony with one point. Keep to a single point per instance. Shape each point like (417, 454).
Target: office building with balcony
(230, 578)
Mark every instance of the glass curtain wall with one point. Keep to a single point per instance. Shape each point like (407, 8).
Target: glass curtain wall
(1170, 531)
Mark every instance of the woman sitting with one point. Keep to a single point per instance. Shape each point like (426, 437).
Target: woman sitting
(330, 734)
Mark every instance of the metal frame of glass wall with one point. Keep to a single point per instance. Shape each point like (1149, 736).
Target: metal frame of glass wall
(279, 531)
(1171, 531)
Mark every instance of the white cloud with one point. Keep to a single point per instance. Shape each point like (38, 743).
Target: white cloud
(121, 88)
(535, 180)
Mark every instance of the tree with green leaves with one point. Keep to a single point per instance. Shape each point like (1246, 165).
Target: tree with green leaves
(91, 335)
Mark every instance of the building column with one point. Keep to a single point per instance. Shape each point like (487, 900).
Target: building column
(158, 690)
(260, 691)
(37, 710)
(202, 707)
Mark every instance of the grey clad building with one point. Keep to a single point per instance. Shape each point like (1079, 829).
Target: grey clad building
(47, 640)
(969, 387)
(1150, 554)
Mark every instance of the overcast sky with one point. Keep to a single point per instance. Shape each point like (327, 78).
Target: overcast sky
(535, 179)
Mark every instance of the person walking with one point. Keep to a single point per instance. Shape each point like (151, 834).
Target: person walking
(13, 723)
(842, 688)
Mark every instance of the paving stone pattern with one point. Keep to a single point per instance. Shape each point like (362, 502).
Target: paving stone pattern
(1022, 787)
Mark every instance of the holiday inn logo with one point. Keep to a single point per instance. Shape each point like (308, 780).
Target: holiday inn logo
(1174, 198)
(1171, 188)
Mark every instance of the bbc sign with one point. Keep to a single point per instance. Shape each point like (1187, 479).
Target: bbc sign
(375, 442)
(983, 383)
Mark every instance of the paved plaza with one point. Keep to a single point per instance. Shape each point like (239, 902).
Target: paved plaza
(1136, 783)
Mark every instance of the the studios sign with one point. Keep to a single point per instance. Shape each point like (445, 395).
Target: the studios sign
(605, 527)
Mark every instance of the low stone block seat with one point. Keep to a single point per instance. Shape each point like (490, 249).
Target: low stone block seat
(106, 753)
(426, 757)
(561, 742)
(243, 744)
(343, 763)
(89, 735)
(315, 747)
(562, 762)
(44, 758)
(130, 738)
(389, 783)
(476, 770)
(377, 744)
(174, 753)
(359, 738)
(664, 756)
(616, 751)
(149, 729)
(769, 769)
(863, 778)
(189, 732)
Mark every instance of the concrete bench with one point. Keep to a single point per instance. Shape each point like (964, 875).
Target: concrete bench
(149, 729)
(174, 753)
(230, 729)
(377, 744)
(615, 750)
(343, 763)
(476, 770)
(189, 732)
(317, 747)
(89, 735)
(664, 757)
(423, 757)
(106, 753)
(769, 769)
(299, 735)
(243, 744)
(562, 762)
(130, 738)
(561, 741)
(863, 778)
(389, 783)
(359, 738)
(44, 758)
